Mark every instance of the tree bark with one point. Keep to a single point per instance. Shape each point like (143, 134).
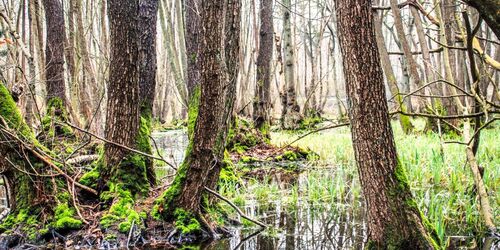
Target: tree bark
(148, 11)
(262, 100)
(210, 115)
(122, 117)
(394, 220)
(488, 9)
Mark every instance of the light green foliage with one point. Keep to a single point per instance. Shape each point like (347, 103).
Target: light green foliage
(442, 186)
(228, 172)
(290, 155)
(90, 178)
(310, 122)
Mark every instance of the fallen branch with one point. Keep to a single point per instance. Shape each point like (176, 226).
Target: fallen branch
(235, 207)
(316, 131)
(82, 158)
(48, 162)
(120, 145)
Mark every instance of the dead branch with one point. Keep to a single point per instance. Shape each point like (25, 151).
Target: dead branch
(120, 145)
(235, 207)
(47, 161)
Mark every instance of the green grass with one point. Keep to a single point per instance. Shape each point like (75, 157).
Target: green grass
(441, 183)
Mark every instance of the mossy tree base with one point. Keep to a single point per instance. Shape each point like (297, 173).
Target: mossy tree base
(40, 200)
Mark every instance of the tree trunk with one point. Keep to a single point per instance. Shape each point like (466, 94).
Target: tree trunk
(262, 100)
(415, 80)
(389, 74)
(35, 194)
(122, 118)
(488, 9)
(192, 36)
(148, 11)
(88, 85)
(209, 118)
(291, 115)
(54, 51)
(394, 220)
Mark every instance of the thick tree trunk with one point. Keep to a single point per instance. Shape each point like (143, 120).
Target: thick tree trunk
(37, 197)
(291, 112)
(122, 117)
(394, 219)
(148, 11)
(209, 113)
(262, 100)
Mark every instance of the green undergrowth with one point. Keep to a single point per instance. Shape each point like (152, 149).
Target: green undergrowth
(437, 174)
(121, 214)
(243, 135)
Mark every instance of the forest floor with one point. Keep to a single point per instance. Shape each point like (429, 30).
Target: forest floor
(317, 203)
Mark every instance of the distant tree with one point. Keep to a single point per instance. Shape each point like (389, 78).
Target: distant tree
(262, 100)
(290, 115)
(54, 56)
(394, 220)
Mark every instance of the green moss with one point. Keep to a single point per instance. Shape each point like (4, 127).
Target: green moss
(10, 113)
(186, 222)
(310, 122)
(248, 159)
(193, 110)
(90, 178)
(402, 189)
(290, 155)
(242, 135)
(228, 172)
(163, 208)
(163, 205)
(56, 110)
(121, 212)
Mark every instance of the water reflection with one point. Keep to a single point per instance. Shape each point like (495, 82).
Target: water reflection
(308, 222)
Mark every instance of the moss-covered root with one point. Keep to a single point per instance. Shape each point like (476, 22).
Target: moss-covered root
(34, 209)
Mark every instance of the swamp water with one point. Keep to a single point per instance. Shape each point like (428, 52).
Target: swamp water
(319, 208)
